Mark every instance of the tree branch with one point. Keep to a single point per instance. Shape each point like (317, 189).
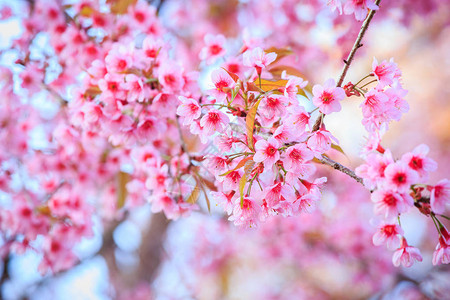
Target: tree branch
(349, 60)
(337, 166)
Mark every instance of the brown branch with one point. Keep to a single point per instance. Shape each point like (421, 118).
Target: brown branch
(337, 166)
(5, 274)
(349, 60)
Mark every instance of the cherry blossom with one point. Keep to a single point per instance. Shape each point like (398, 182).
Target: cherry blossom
(223, 84)
(267, 152)
(327, 97)
(442, 252)
(258, 59)
(406, 255)
(389, 234)
(359, 8)
(214, 48)
(399, 177)
(417, 161)
(440, 196)
(213, 120)
(390, 204)
(189, 110)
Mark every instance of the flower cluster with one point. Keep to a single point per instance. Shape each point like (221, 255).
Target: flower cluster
(266, 169)
(397, 184)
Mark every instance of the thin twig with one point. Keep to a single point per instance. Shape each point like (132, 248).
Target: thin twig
(351, 55)
(337, 166)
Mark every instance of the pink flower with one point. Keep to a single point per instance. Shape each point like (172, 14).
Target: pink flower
(170, 76)
(335, 4)
(399, 177)
(286, 134)
(273, 106)
(137, 89)
(406, 255)
(32, 78)
(112, 86)
(299, 118)
(258, 59)
(359, 8)
(214, 48)
(224, 200)
(373, 171)
(440, 196)
(152, 47)
(214, 120)
(119, 59)
(160, 201)
(267, 152)
(188, 109)
(388, 233)
(277, 193)
(389, 203)
(398, 103)
(248, 214)
(417, 161)
(216, 164)
(223, 84)
(374, 103)
(291, 88)
(296, 156)
(231, 180)
(327, 97)
(442, 252)
(320, 141)
(384, 72)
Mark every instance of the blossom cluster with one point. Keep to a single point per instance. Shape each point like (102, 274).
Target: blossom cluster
(266, 169)
(115, 145)
(397, 184)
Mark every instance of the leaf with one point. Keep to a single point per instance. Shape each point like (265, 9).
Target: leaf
(250, 123)
(281, 52)
(338, 148)
(209, 184)
(207, 201)
(234, 76)
(120, 6)
(44, 209)
(247, 169)
(239, 165)
(123, 179)
(276, 71)
(251, 86)
(193, 197)
(316, 160)
(200, 181)
(267, 85)
(86, 11)
(242, 183)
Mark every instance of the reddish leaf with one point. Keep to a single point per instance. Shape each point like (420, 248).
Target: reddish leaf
(239, 165)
